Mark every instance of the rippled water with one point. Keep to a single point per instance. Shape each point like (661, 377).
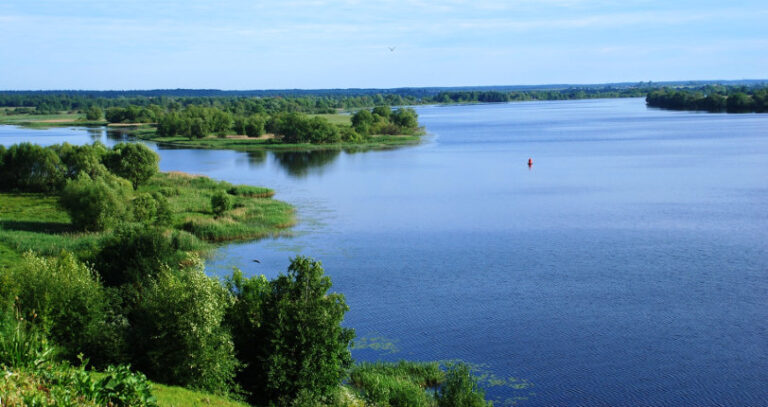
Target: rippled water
(628, 266)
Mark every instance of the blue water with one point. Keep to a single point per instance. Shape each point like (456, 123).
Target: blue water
(627, 267)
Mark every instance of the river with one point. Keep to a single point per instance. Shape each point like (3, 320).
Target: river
(627, 266)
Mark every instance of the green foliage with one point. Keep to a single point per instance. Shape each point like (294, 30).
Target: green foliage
(221, 202)
(121, 387)
(63, 298)
(291, 336)
(362, 121)
(21, 344)
(177, 335)
(405, 118)
(460, 389)
(133, 161)
(94, 113)
(254, 126)
(86, 159)
(96, 204)
(397, 384)
(28, 167)
(135, 253)
(382, 111)
(251, 191)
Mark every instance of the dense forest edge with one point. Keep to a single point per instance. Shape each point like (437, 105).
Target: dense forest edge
(104, 298)
(712, 98)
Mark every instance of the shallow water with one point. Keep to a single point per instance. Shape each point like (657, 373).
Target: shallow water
(628, 266)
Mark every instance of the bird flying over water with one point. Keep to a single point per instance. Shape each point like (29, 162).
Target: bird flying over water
(392, 49)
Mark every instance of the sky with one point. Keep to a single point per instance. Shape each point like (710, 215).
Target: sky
(314, 44)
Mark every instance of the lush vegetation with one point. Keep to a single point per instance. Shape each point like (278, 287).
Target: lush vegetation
(730, 99)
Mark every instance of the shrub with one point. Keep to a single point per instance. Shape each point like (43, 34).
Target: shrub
(133, 254)
(176, 334)
(251, 191)
(96, 204)
(94, 113)
(221, 202)
(63, 297)
(460, 389)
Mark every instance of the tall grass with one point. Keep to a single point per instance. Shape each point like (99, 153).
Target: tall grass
(397, 384)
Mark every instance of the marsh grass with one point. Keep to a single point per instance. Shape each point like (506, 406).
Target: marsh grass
(397, 384)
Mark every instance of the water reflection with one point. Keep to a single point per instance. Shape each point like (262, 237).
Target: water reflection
(257, 158)
(302, 163)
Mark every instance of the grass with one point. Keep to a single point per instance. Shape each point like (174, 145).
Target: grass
(335, 118)
(398, 384)
(36, 222)
(173, 396)
(253, 215)
(246, 144)
(23, 387)
(49, 120)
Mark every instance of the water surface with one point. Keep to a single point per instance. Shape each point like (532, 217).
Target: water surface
(628, 266)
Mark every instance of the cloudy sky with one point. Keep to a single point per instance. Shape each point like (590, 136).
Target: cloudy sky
(251, 44)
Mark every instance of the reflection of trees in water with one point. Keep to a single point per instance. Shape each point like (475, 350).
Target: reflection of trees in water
(95, 133)
(119, 134)
(256, 158)
(299, 163)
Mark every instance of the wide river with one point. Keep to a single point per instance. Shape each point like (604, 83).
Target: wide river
(628, 266)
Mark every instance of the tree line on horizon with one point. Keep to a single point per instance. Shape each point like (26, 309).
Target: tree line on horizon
(740, 99)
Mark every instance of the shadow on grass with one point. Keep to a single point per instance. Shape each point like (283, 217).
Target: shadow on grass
(40, 227)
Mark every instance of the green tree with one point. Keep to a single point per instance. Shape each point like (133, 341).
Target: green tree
(176, 334)
(406, 118)
(133, 161)
(383, 111)
(362, 121)
(291, 338)
(31, 168)
(96, 204)
(134, 254)
(94, 113)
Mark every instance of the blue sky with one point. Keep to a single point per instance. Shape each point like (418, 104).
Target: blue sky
(238, 44)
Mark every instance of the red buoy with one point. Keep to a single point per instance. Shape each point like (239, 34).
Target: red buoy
(530, 162)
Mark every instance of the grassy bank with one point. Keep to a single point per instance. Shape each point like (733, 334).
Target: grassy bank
(49, 120)
(36, 222)
(252, 144)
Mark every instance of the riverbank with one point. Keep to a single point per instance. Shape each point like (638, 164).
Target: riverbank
(267, 143)
(36, 222)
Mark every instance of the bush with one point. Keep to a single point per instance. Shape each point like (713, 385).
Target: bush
(251, 191)
(96, 204)
(133, 254)
(176, 334)
(63, 297)
(133, 161)
(460, 389)
(221, 202)
(396, 384)
(94, 113)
